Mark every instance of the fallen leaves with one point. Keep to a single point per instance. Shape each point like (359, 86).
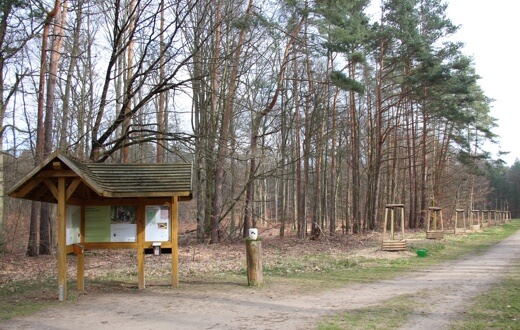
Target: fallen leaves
(195, 259)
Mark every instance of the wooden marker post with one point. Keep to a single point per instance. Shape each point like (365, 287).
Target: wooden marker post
(254, 262)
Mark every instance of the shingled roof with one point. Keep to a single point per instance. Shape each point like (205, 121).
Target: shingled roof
(92, 181)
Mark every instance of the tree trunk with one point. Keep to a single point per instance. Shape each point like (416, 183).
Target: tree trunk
(354, 138)
(41, 132)
(128, 82)
(255, 129)
(299, 179)
(64, 132)
(225, 135)
(161, 111)
(423, 182)
(32, 246)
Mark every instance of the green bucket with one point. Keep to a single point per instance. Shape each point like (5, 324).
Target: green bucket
(421, 253)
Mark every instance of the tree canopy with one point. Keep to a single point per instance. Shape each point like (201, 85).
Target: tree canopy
(306, 115)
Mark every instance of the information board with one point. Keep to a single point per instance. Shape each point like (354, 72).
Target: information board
(97, 223)
(157, 226)
(123, 225)
(110, 224)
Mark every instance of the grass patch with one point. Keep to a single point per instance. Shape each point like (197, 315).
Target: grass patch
(24, 297)
(498, 308)
(390, 315)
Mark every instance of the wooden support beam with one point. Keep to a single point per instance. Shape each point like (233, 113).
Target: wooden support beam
(52, 187)
(174, 238)
(392, 219)
(56, 165)
(80, 271)
(72, 187)
(385, 224)
(57, 174)
(402, 222)
(140, 246)
(62, 241)
(27, 188)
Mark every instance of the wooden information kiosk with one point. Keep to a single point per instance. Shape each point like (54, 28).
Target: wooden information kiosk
(110, 206)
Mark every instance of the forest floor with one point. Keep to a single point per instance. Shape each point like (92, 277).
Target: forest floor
(441, 294)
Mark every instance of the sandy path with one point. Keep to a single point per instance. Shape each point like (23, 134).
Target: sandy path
(446, 291)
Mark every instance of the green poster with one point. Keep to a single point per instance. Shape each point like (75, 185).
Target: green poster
(97, 224)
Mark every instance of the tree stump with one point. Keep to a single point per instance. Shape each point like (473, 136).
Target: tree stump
(254, 262)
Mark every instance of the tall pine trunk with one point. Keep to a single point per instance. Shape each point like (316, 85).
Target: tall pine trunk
(32, 248)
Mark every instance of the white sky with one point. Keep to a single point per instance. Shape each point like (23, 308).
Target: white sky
(490, 31)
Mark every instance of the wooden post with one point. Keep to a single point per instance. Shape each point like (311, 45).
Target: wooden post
(441, 219)
(254, 262)
(386, 221)
(80, 279)
(402, 222)
(81, 262)
(392, 219)
(174, 215)
(80, 272)
(428, 221)
(62, 241)
(140, 246)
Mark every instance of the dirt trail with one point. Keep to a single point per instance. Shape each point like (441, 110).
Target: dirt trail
(445, 290)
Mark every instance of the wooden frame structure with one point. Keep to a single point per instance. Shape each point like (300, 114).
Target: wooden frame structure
(486, 218)
(65, 181)
(458, 228)
(393, 244)
(472, 225)
(433, 232)
(503, 216)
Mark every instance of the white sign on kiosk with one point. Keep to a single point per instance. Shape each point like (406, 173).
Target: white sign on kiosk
(123, 227)
(73, 224)
(157, 225)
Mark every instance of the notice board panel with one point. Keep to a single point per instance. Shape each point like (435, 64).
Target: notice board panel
(110, 224)
(123, 224)
(97, 223)
(157, 225)
(73, 224)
